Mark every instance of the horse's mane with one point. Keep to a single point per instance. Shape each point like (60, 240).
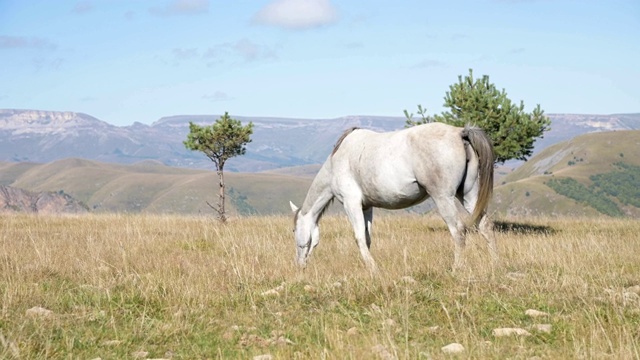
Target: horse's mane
(341, 139)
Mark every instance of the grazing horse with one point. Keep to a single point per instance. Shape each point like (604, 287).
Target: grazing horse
(398, 169)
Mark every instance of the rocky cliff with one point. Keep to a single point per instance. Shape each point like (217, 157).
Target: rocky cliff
(19, 200)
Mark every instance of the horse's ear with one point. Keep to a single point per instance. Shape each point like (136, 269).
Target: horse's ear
(293, 207)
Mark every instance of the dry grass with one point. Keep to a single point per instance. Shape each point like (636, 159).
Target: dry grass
(123, 286)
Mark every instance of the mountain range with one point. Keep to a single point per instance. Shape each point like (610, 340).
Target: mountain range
(45, 136)
(602, 168)
(587, 165)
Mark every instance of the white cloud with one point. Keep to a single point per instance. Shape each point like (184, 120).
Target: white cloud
(251, 51)
(185, 54)
(297, 14)
(217, 96)
(182, 7)
(88, 99)
(354, 45)
(23, 42)
(46, 63)
(83, 7)
(243, 48)
(43, 52)
(459, 36)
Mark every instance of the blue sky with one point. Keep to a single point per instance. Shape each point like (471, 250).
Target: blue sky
(126, 61)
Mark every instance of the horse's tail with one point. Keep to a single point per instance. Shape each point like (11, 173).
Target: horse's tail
(482, 146)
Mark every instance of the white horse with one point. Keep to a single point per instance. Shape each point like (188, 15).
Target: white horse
(399, 169)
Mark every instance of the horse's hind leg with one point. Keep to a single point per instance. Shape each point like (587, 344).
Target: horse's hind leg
(485, 226)
(449, 212)
(361, 229)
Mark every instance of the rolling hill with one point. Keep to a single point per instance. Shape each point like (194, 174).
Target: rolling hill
(588, 175)
(155, 188)
(282, 160)
(527, 191)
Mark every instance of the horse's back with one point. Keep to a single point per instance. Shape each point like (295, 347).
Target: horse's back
(433, 137)
(397, 169)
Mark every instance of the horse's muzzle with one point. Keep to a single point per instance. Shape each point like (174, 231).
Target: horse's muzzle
(302, 261)
(302, 256)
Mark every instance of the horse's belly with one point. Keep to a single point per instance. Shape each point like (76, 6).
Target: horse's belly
(397, 196)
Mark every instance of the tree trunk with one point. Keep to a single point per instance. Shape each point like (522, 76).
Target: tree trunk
(221, 212)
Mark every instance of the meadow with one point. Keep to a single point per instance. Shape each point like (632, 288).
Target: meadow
(115, 286)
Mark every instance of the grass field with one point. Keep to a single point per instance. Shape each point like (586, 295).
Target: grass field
(143, 286)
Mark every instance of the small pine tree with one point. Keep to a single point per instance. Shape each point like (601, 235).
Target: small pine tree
(225, 139)
(422, 112)
(479, 102)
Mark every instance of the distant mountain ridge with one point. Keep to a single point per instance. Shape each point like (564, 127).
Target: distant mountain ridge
(45, 136)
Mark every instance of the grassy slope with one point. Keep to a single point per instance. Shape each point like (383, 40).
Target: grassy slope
(152, 187)
(9, 172)
(592, 154)
(301, 171)
(188, 288)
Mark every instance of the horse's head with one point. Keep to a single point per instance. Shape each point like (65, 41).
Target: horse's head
(306, 233)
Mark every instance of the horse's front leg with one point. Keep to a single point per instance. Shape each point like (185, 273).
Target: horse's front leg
(361, 229)
(368, 220)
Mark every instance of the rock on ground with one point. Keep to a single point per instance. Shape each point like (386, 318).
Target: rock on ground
(263, 357)
(353, 331)
(140, 354)
(383, 352)
(38, 311)
(510, 332)
(535, 313)
(453, 348)
(545, 328)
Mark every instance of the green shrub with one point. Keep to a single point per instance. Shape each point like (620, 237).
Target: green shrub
(572, 189)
